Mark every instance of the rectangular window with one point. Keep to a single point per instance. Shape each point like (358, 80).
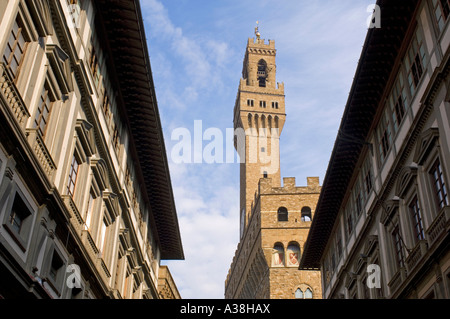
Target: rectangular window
(398, 102)
(384, 135)
(250, 102)
(339, 245)
(116, 137)
(127, 283)
(55, 267)
(15, 48)
(127, 176)
(19, 213)
(357, 198)
(415, 61)
(262, 104)
(106, 107)
(103, 237)
(73, 173)
(367, 175)
(89, 210)
(94, 67)
(275, 105)
(440, 189)
(441, 12)
(119, 269)
(398, 247)
(416, 215)
(349, 221)
(43, 112)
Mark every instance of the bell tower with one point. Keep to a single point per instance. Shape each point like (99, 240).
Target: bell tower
(259, 112)
(274, 219)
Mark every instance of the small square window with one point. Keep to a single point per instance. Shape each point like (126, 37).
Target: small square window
(55, 266)
(19, 213)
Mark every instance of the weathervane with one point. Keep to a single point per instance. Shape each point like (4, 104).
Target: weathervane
(258, 35)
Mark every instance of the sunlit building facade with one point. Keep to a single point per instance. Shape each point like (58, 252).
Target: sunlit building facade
(382, 221)
(86, 203)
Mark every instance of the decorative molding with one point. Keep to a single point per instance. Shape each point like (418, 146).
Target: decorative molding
(427, 140)
(389, 209)
(405, 178)
(86, 136)
(60, 67)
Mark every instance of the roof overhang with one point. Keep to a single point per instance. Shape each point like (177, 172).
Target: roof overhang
(129, 63)
(378, 57)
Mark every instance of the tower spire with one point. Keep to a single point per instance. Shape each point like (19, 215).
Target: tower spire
(258, 35)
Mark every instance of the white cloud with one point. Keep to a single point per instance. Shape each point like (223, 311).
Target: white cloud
(208, 219)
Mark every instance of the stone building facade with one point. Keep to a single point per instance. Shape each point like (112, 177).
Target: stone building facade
(274, 219)
(84, 212)
(382, 222)
(167, 287)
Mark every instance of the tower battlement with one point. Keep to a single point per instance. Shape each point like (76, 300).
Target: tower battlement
(252, 42)
(265, 186)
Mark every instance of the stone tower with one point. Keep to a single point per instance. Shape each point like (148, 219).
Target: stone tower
(260, 112)
(274, 219)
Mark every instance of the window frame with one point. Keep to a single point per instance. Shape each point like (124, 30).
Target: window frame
(398, 96)
(415, 210)
(437, 4)
(306, 212)
(398, 246)
(414, 63)
(433, 170)
(56, 282)
(282, 214)
(262, 73)
(94, 65)
(48, 93)
(22, 235)
(70, 180)
(21, 32)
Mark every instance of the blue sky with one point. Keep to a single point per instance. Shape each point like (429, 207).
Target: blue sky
(196, 51)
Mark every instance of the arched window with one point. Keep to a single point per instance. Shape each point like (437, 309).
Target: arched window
(250, 120)
(262, 73)
(263, 121)
(278, 255)
(304, 292)
(293, 254)
(283, 214)
(306, 214)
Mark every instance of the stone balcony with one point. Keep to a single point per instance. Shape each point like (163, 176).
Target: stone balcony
(11, 95)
